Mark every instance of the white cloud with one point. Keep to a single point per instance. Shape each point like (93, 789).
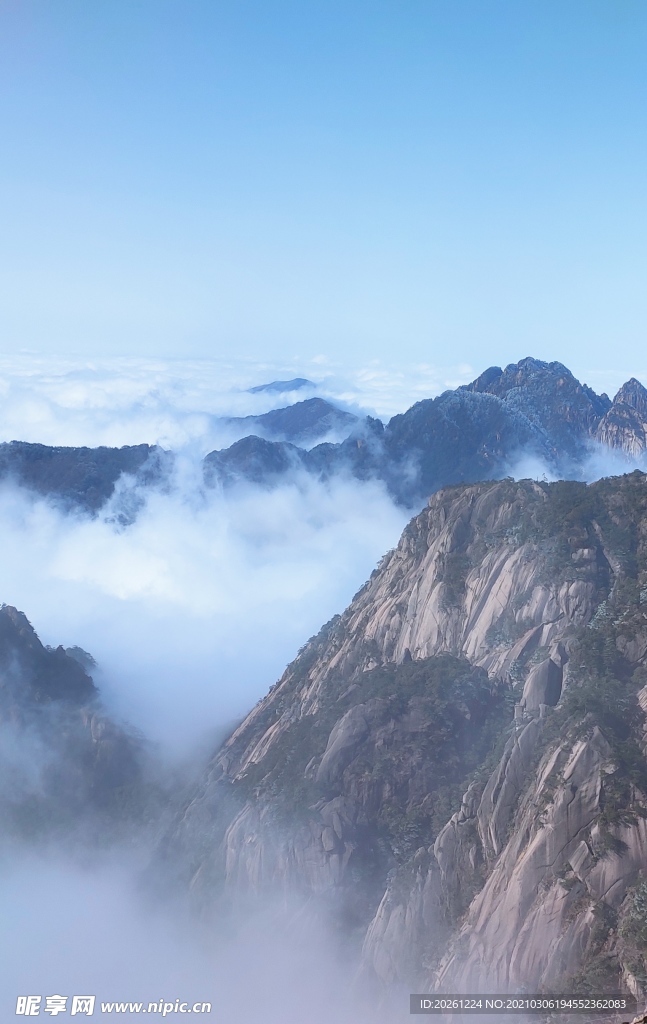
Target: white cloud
(600, 462)
(177, 402)
(530, 467)
(603, 461)
(194, 610)
(85, 928)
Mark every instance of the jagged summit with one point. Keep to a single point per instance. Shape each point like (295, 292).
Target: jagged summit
(633, 394)
(551, 397)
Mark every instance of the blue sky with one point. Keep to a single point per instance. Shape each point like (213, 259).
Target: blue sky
(447, 181)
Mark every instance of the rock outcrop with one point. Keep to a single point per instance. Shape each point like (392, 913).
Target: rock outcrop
(549, 396)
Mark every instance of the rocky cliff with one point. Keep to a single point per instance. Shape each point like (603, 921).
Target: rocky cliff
(455, 765)
(67, 769)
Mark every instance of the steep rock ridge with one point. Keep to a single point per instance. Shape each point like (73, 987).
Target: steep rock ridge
(466, 578)
(447, 588)
(458, 437)
(624, 425)
(342, 794)
(345, 782)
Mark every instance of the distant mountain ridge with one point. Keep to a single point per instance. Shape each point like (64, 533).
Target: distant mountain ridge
(80, 477)
(300, 423)
(281, 387)
(476, 432)
(479, 431)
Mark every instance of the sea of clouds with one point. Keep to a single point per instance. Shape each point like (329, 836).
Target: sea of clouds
(195, 609)
(178, 403)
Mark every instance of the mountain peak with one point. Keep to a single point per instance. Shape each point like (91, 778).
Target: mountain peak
(495, 380)
(282, 386)
(624, 426)
(633, 393)
(550, 397)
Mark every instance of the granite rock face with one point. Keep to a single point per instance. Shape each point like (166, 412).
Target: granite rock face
(454, 765)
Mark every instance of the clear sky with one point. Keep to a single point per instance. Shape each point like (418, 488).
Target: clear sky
(437, 180)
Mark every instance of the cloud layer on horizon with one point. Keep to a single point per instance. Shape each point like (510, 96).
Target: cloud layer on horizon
(176, 403)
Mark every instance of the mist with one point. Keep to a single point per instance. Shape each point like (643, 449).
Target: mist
(195, 609)
(181, 403)
(87, 929)
(600, 461)
(191, 612)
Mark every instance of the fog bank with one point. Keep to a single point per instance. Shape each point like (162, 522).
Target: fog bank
(195, 609)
